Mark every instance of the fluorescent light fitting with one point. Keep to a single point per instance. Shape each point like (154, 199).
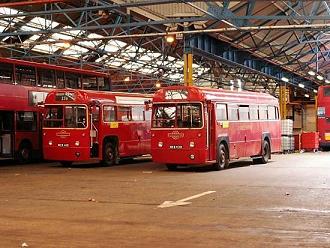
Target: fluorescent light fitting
(169, 38)
(327, 81)
(126, 79)
(315, 91)
(158, 85)
(284, 79)
(319, 77)
(306, 95)
(311, 73)
(301, 85)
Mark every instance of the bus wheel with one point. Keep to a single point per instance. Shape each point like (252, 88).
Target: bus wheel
(265, 154)
(66, 163)
(223, 158)
(171, 167)
(109, 155)
(24, 154)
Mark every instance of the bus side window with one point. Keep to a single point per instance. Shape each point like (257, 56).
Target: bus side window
(109, 114)
(271, 113)
(243, 113)
(263, 112)
(232, 113)
(277, 113)
(124, 113)
(137, 113)
(6, 73)
(221, 112)
(254, 112)
(26, 121)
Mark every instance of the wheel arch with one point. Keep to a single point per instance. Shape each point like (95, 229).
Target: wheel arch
(266, 136)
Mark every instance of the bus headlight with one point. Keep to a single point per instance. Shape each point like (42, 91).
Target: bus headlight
(77, 143)
(50, 143)
(160, 144)
(191, 144)
(192, 156)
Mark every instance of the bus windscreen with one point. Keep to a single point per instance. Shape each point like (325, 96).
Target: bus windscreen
(65, 116)
(181, 115)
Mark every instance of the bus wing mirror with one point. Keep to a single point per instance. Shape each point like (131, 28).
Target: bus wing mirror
(148, 105)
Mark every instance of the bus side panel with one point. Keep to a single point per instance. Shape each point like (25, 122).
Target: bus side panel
(253, 138)
(133, 137)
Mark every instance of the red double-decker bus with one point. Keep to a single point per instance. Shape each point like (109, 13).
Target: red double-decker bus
(323, 115)
(23, 87)
(89, 125)
(194, 126)
(20, 121)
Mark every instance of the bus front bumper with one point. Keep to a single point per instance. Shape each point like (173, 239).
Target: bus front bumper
(183, 157)
(67, 153)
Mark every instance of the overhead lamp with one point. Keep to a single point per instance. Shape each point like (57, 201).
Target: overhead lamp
(284, 79)
(158, 85)
(301, 85)
(306, 95)
(66, 45)
(315, 91)
(327, 81)
(126, 79)
(319, 77)
(311, 73)
(169, 38)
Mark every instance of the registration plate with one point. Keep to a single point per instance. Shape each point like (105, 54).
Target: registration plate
(63, 145)
(176, 147)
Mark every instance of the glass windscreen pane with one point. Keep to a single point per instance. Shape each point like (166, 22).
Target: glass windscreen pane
(327, 91)
(183, 115)
(66, 116)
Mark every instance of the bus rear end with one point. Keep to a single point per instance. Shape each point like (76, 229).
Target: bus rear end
(178, 133)
(323, 116)
(66, 133)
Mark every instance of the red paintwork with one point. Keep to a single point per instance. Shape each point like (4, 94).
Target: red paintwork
(133, 136)
(16, 98)
(237, 131)
(323, 123)
(310, 140)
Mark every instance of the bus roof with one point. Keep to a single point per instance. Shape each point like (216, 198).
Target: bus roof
(193, 93)
(73, 96)
(52, 67)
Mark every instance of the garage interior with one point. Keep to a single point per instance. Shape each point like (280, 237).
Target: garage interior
(276, 47)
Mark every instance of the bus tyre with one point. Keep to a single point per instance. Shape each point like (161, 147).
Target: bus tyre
(171, 167)
(265, 156)
(223, 158)
(24, 154)
(109, 155)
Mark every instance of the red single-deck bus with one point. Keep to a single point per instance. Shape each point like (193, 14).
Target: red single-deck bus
(20, 121)
(323, 115)
(193, 126)
(89, 125)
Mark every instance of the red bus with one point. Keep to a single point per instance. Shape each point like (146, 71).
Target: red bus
(194, 126)
(20, 121)
(89, 125)
(323, 115)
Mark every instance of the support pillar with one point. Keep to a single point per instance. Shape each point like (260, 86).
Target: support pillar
(283, 101)
(188, 70)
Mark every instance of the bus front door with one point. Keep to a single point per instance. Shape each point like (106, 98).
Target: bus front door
(7, 134)
(94, 132)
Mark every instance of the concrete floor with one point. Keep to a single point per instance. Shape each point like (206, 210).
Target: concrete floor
(285, 203)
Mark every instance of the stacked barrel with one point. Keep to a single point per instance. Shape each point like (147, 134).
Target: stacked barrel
(287, 136)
